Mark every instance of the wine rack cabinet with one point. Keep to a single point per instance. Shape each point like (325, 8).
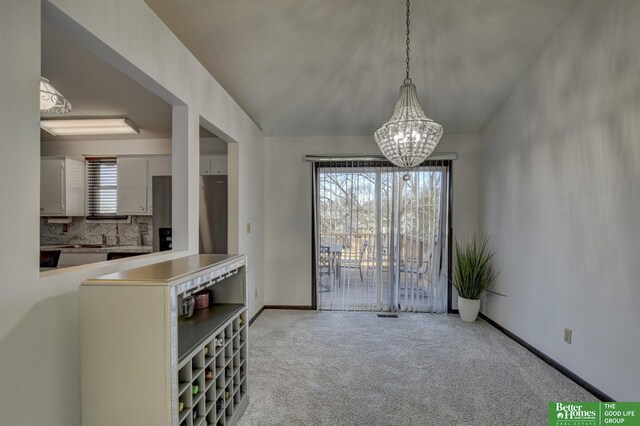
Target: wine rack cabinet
(143, 363)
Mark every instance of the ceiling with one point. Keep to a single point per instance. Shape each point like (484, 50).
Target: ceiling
(334, 67)
(96, 89)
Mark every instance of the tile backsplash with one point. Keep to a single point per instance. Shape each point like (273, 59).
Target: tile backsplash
(81, 232)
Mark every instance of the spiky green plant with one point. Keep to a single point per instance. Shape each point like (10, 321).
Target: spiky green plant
(472, 272)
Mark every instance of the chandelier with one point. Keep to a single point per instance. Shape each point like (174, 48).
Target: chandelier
(51, 100)
(409, 137)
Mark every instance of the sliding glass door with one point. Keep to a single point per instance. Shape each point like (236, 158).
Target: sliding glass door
(381, 236)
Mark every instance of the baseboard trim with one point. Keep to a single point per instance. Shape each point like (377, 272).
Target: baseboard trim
(553, 363)
(290, 307)
(255, 317)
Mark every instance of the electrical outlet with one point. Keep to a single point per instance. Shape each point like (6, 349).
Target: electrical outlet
(65, 228)
(144, 227)
(567, 335)
(248, 228)
(255, 293)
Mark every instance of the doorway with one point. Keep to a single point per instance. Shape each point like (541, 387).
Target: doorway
(381, 236)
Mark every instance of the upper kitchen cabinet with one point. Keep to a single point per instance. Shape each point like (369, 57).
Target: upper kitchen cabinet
(213, 165)
(62, 186)
(135, 176)
(132, 186)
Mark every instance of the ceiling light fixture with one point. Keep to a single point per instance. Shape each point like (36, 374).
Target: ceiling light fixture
(89, 126)
(409, 137)
(52, 101)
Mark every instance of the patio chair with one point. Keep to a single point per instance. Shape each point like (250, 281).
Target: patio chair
(324, 268)
(418, 271)
(363, 251)
(324, 261)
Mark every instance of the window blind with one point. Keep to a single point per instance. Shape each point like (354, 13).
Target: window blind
(381, 235)
(102, 192)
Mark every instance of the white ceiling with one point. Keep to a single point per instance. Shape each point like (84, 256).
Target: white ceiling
(96, 89)
(334, 67)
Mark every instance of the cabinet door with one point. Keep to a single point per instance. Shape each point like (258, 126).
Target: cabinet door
(75, 187)
(205, 165)
(158, 166)
(132, 186)
(52, 187)
(218, 164)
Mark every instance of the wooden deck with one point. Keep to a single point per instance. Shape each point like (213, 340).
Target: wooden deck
(346, 290)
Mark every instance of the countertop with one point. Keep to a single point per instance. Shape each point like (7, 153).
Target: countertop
(173, 272)
(121, 249)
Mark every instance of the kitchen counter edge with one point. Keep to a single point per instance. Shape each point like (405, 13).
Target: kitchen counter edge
(173, 272)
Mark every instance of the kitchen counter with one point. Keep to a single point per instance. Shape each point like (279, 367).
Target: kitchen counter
(187, 271)
(64, 248)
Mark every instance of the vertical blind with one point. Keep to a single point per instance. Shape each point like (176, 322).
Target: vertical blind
(102, 180)
(381, 236)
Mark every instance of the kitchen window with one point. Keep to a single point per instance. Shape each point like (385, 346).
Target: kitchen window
(102, 189)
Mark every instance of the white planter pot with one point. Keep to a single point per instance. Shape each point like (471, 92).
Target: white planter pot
(468, 309)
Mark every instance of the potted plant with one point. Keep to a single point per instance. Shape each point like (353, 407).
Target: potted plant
(472, 275)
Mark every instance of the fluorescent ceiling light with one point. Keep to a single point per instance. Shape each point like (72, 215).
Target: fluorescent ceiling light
(89, 126)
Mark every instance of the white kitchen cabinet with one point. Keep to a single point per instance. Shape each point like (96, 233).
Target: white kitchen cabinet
(132, 185)
(157, 166)
(135, 182)
(218, 164)
(213, 165)
(205, 165)
(62, 186)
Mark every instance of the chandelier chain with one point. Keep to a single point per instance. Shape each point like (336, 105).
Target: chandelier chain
(407, 80)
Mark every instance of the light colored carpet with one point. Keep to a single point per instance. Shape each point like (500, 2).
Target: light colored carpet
(330, 368)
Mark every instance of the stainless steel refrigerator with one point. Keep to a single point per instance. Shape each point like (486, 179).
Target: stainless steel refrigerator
(213, 213)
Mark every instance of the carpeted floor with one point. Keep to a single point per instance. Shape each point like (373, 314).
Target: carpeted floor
(330, 368)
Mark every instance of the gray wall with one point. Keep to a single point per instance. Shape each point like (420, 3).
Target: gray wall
(561, 197)
(288, 204)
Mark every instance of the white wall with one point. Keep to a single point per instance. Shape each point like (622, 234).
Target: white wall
(561, 197)
(250, 160)
(106, 147)
(213, 146)
(39, 323)
(289, 204)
